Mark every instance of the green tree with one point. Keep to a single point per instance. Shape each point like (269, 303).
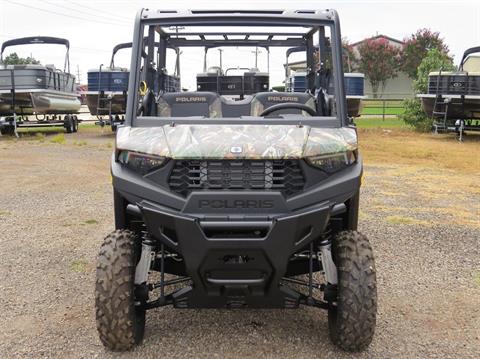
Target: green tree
(415, 49)
(379, 61)
(435, 60)
(14, 59)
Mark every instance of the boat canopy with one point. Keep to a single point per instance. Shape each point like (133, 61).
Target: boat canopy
(39, 40)
(467, 52)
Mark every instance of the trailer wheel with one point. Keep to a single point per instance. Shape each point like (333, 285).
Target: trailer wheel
(75, 124)
(352, 318)
(68, 124)
(7, 130)
(120, 322)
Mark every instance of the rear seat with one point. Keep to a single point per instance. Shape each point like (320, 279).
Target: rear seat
(263, 100)
(187, 104)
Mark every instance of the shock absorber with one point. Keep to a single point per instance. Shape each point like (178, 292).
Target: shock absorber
(143, 266)
(328, 265)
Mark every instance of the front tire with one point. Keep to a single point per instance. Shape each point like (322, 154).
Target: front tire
(352, 318)
(120, 323)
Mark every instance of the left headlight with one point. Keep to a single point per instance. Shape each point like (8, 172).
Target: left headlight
(332, 163)
(140, 162)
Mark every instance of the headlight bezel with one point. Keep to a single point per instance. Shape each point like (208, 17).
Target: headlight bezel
(333, 163)
(139, 162)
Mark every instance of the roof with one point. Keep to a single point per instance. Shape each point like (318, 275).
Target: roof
(379, 37)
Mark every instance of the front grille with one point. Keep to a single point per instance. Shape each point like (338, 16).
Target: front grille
(285, 176)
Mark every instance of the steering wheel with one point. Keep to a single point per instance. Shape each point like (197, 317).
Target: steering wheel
(289, 105)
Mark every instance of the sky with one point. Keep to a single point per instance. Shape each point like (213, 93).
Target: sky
(94, 27)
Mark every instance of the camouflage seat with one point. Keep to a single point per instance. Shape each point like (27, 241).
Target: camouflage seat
(188, 104)
(263, 100)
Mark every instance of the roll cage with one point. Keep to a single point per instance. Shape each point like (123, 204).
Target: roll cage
(152, 23)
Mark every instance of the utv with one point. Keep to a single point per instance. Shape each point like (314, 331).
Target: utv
(234, 195)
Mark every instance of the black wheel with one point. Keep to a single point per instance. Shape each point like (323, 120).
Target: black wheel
(75, 124)
(352, 318)
(7, 130)
(68, 124)
(120, 323)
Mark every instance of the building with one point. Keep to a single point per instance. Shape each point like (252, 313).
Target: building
(399, 87)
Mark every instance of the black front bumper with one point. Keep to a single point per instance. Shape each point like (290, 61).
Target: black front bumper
(236, 245)
(230, 270)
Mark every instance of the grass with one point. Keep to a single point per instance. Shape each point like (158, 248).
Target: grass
(376, 107)
(79, 266)
(91, 221)
(378, 122)
(404, 220)
(59, 139)
(476, 278)
(401, 146)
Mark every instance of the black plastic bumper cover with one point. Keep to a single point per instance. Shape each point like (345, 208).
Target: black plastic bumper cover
(233, 271)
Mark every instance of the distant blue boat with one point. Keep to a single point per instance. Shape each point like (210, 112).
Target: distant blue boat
(354, 88)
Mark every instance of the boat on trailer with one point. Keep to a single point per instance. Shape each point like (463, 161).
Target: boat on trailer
(296, 81)
(40, 90)
(107, 91)
(453, 97)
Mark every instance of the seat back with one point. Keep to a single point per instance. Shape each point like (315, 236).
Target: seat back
(233, 108)
(263, 100)
(187, 104)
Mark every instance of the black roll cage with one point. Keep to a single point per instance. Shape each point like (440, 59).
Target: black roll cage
(154, 20)
(39, 40)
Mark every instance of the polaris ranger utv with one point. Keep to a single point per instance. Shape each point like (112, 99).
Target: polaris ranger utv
(233, 195)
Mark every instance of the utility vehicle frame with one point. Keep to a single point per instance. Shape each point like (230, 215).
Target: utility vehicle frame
(244, 203)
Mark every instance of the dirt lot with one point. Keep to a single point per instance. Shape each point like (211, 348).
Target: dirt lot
(420, 208)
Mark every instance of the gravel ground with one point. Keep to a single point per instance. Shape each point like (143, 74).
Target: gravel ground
(56, 207)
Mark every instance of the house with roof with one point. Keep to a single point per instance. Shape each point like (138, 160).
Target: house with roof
(398, 87)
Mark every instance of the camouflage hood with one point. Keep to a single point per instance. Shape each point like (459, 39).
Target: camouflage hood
(236, 141)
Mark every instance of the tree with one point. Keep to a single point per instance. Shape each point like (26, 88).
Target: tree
(379, 61)
(416, 47)
(435, 60)
(349, 59)
(14, 59)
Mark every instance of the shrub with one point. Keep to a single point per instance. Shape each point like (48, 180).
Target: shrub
(414, 114)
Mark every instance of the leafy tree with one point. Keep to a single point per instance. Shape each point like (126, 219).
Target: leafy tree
(414, 115)
(14, 59)
(379, 61)
(416, 47)
(348, 56)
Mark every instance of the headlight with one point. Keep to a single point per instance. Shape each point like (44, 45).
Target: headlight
(333, 162)
(140, 162)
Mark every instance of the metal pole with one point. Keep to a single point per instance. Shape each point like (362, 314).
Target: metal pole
(220, 52)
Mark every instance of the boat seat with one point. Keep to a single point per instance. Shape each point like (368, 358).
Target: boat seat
(188, 104)
(233, 108)
(263, 100)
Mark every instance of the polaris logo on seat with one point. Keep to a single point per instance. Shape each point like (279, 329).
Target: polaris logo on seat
(191, 99)
(236, 203)
(282, 98)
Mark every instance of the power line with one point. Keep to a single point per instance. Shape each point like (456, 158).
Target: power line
(80, 11)
(96, 10)
(57, 13)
